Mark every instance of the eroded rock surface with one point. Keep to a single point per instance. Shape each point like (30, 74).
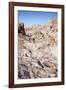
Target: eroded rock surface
(37, 51)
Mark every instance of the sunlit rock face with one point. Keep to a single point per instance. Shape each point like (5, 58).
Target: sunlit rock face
(37, 51)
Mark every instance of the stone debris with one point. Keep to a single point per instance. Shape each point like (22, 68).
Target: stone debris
(37, 51)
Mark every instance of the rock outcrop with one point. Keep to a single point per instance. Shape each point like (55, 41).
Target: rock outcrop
(21, 28)
(37, 51)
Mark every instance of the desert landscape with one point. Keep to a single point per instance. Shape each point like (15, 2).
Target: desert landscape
(37, 50)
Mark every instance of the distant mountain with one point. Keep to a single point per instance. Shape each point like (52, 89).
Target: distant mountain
(51, 25)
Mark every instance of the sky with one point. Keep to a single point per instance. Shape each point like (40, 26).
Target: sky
(35, 17)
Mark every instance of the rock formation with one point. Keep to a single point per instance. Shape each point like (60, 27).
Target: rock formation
(21, 28)
(37, 51)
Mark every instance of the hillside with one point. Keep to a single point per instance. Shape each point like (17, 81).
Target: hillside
(37, 51)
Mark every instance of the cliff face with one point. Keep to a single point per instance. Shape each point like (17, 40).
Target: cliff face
(21, 28)
(37, 51)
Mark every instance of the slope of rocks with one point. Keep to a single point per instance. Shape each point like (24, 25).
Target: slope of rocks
(37, 51)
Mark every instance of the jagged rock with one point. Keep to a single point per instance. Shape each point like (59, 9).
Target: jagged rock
(21, 28)
(37, 51)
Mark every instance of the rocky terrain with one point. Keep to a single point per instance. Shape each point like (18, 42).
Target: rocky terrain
(37, 51)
